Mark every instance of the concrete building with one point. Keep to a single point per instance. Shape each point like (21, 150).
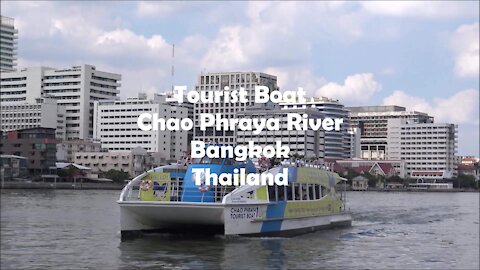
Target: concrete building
(36, 144)
(76, 88)
(45, 112)
(217, 82)
(115, 126)
(428, 149)
(134, 162)
(12, 167)
(473, 170)
(66, 150)
(8, 44)
(467, 160)
(307, 144)
(359, 183)
(336, 142)
(354, 142)
(372, 122)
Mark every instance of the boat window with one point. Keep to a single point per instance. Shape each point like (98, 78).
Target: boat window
(289, 192)
(281, 193)
(323, 191)
(304, 192)
(318, 192)
(312, 192)
(298, 194)
(271, 193)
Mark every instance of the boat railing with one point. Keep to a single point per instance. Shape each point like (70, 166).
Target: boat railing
(178, 193)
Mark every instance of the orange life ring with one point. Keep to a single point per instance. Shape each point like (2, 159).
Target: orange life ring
(146, 185)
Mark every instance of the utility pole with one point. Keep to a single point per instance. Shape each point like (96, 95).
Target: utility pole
(173, 67)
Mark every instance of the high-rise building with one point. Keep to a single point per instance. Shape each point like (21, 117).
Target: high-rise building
(218, 82)
(306, 144)
(428, 149)
(372, 122)
(336, 142)
(75, 88)
(45, 112)
(115, 126)
(8, 44)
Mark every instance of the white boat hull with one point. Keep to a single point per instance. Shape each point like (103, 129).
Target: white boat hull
(247, 220)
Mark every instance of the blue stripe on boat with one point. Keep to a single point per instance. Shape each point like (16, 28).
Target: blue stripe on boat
(274, 210)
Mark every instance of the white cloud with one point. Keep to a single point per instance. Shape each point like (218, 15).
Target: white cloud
(167, 8)
(147, 8)
(291, 78)
(425, 9)
(280, 34)
(465, 43)
(356, 89)
(460, 108)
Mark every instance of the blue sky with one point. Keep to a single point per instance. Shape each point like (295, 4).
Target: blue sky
(422, 55)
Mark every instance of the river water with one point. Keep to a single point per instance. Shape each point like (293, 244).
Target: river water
(79, 229)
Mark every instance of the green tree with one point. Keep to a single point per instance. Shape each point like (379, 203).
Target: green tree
(116, 175)
(394, 178)
(464, 181)
(372, 180)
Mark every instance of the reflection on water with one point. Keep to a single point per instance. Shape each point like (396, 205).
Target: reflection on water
(228, 253)
(79, 229)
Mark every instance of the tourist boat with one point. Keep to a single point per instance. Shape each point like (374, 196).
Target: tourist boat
(166, 199)
(430, 185)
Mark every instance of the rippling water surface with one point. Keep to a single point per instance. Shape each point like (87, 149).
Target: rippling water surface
(79, 229)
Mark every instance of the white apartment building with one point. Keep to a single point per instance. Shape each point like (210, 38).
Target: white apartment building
(8, 44)
(372, 122)
(115, 126)
(44, 112)
(306, 144)
(217, 82)
(75, 88)
(428, 149)
(336, 142)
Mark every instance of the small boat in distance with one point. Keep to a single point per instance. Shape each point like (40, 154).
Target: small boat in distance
(166, 199)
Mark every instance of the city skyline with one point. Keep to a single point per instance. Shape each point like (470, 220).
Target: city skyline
(344, 58)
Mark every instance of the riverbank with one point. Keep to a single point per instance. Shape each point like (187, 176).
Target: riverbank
(61, 185)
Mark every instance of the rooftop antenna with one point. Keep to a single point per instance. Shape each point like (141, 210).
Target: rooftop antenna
(173, 66)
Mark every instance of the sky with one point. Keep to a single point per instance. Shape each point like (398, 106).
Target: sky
(420, 55)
